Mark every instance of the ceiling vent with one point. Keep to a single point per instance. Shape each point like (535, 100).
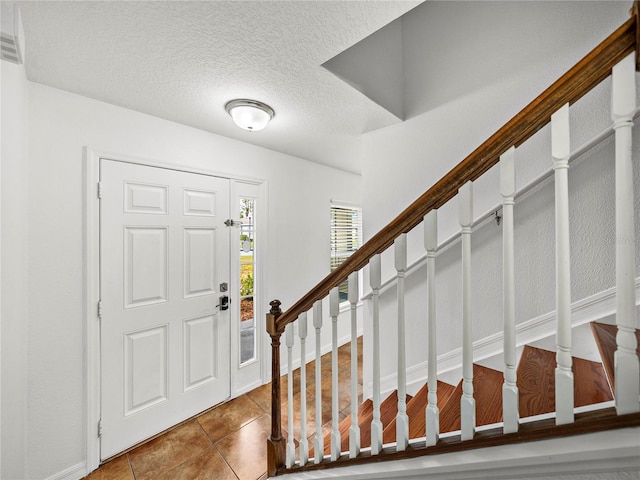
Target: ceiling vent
(12, 34)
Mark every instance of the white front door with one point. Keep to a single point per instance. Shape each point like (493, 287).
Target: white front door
(164, 263)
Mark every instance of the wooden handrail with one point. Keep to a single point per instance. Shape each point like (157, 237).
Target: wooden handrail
(573, 85)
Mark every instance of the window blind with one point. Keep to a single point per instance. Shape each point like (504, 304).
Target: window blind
(346, 237)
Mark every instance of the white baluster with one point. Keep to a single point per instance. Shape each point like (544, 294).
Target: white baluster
(354, 430)
(626, 361)
(318, 442)
(560, 147)
(432, 412)
(510, 395)
(334, 311)
(291, 447)
(467, 402)
(304, 443)
(402, 420)
(375, 280)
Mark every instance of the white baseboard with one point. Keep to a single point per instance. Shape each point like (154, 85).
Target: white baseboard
(75, 472)
(590, 309)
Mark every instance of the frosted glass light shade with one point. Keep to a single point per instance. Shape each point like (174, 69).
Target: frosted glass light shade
(249, 115)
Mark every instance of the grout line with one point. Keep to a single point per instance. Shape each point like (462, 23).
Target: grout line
(258, 405)
(203, 430)
(133, 473)
(245, 425)
(224, 459)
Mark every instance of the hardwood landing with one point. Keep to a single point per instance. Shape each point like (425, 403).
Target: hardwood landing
(605, 336)
(536, 382)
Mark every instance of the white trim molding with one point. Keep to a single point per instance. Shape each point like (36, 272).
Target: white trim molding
(75, 472)
(91, 294)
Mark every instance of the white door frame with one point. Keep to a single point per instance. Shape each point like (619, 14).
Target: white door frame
(91, 283)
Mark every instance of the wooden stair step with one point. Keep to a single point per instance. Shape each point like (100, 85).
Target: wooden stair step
(487, 391)
(416, 412)
(536, 382)
(388, 411)
(605, 336)
(365, 409)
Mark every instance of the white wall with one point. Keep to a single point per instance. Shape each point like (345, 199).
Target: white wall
(60, 124)
(469, 67)
(14, 269)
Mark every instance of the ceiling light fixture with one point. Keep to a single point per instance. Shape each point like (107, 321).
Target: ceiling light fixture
(249, 114)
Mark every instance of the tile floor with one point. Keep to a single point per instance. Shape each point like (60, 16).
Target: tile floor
(229, 441)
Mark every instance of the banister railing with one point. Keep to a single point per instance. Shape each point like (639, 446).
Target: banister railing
(569, 88)
(573, 85)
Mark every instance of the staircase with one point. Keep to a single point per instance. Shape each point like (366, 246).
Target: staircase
(541, 396)
(535, 383)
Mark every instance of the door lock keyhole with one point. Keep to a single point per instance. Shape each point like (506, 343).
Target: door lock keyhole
(224, 302)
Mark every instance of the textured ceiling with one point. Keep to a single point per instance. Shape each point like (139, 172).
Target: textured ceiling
(183, 60)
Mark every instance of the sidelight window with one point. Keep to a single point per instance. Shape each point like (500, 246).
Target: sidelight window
(247, 280)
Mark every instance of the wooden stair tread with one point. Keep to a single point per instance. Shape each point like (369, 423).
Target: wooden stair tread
(416, 412)
(536, 382)
(388, 410)
(487, 388)
(364, 410)
(605, 336)
(590, 383)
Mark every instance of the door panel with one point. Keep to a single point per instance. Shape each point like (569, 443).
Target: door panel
(146, 259)
(146, 368)
(200, 362)
(164, 343)
(199, 261)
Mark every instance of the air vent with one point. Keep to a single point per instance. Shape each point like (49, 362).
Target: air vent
(11, 34)
(9, 49)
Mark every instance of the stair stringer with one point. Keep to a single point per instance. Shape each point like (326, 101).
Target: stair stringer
(612, 454)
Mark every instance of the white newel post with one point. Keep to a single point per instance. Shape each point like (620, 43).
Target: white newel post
(623, 104)
(402, 420)
(334, 311)
(304, 443)
(291, 447)
(467, 402)
(432, 412)
(510, 396)
(375, 280)
(560, 148)
(318, 441)
(354, 430)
